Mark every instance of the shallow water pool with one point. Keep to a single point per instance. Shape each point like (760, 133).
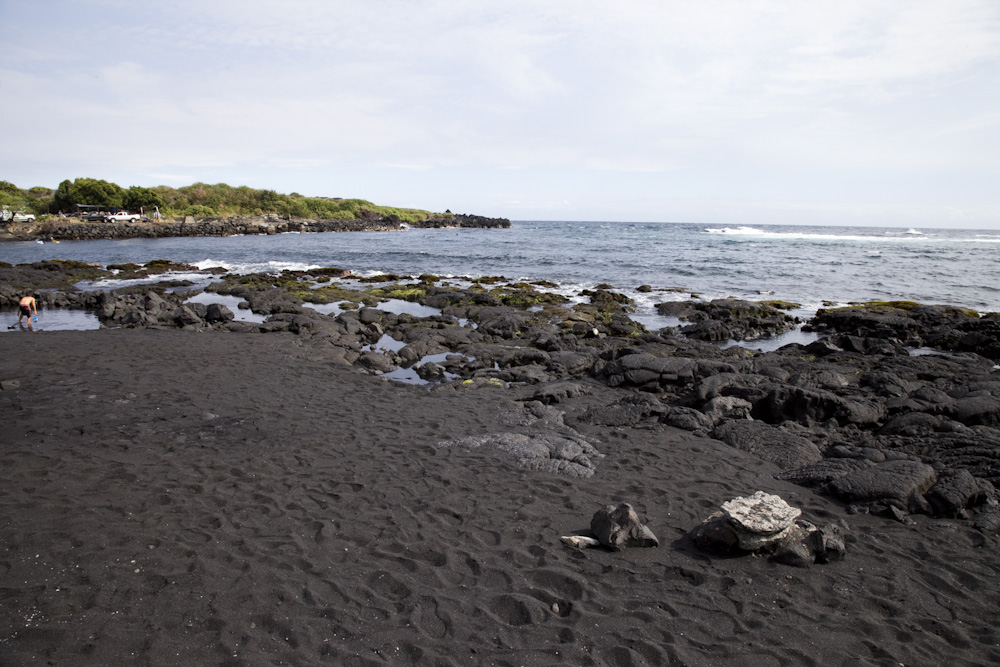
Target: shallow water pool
(56, 319)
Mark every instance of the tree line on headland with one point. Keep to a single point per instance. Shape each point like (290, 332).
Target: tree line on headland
(199, 200)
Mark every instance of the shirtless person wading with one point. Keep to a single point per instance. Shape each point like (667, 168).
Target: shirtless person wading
(24, 308)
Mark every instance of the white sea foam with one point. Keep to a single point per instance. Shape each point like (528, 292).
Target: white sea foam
(256, 267)
(796, 235)
(199, 279)
(737, 231)
(798, 263)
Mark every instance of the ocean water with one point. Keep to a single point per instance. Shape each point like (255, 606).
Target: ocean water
(808, 265)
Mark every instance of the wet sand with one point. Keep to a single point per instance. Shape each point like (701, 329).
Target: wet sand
(209, 498)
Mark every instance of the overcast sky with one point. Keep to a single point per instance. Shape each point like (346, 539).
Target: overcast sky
(880, 112)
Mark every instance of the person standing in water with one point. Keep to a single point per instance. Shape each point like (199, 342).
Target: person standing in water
(24, 308)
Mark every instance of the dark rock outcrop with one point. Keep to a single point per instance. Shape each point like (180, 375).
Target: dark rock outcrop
(894, 482)
(727, 319)
(770, 443)
(68, 229)
(916, 325)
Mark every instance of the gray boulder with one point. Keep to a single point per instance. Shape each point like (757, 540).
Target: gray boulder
(895, 481)
(980, 410)
(218, 313)
(825, 471)
(185, 316)
(765, 523)
(722, 408)
(629, 411)
(688, 419)
(557, 392)
(955, 492)
(546, 452)
(811, 545)
(760, 520)
(805, 405)
(619, 528)
(769, 443)
(377, 362)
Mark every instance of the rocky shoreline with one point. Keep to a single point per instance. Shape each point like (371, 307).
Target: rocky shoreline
(63, 229)
(553, 485)
(866, 414)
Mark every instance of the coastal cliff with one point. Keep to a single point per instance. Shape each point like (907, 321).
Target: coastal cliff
(72, 229)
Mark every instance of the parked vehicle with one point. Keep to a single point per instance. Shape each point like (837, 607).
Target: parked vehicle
(122, 216)
(21, 216)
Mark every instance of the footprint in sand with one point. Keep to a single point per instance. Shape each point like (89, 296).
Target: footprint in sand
(429, 619)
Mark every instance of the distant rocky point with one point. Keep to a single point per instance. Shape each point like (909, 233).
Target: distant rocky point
(77, 230)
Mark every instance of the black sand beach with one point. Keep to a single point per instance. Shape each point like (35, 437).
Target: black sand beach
(175, 497)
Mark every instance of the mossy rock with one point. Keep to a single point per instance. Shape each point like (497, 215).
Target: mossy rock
(257, 281)
(414, 293)
(63, 264)
(489, 280)
(554, 312)
(383, 278)
(524, 296)
(329, 294)
(165, 265)
(603, 296)
(51, 274)
(882, 305)
(330, 272)
(780, 305)
(958, 310)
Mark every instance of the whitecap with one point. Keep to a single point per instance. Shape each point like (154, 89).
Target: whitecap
(744, 230)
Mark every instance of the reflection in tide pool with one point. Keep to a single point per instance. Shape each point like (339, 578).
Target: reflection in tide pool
(331, 309)
(385, 344)
(409, 375)
(399, 307)
(777, 342)
(395, 306)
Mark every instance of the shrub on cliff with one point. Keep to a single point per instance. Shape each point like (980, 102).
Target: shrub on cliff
(88, 191)
(204, 200)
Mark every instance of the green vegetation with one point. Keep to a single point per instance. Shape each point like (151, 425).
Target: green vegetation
(873, 306)
(524, 296)
(199, 200)
(34, 200)
(882, 305)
